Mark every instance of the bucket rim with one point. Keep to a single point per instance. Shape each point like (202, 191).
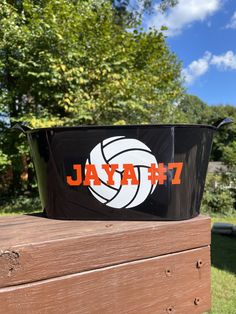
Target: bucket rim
(127, 126)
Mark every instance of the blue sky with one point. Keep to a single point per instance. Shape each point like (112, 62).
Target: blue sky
(202, 33)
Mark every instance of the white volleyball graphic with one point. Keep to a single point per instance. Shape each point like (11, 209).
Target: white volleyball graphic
(121, 150)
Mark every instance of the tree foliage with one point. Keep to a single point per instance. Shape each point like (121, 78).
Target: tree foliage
(129, 13)
(220, 188)
(69, 63)
(196, 111)
(82, 67)
(224, 146)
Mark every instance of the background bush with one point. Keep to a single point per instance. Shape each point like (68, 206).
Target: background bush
(219, 194)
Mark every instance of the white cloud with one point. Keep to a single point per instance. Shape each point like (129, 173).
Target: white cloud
(232, 23)
(183, 14)
(225, 61)
(197, 68)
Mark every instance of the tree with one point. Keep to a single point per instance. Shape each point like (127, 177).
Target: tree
(218, 196)
(130, 13)
(195, 110)
(67, 63)
(224, 147)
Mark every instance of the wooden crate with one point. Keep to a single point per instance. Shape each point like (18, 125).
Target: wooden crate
(53, 266)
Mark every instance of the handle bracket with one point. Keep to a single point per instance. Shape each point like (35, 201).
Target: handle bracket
(21, 127)
(222, 122)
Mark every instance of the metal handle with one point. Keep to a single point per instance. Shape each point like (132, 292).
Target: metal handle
(21, 127)
(222, 122)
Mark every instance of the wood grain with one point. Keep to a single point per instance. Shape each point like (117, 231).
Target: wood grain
(167, 284)
(35, 248)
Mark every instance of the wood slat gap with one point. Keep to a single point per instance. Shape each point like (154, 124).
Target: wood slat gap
(108, 266)
(134, 287)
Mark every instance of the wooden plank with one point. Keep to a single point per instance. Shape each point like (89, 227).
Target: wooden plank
(29, 229)
(33, 248)
(167, 284)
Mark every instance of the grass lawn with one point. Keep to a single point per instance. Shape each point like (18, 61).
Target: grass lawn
(223, 258)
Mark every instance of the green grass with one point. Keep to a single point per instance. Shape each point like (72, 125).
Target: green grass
(223, 258)
(20, 205)
(229, 219)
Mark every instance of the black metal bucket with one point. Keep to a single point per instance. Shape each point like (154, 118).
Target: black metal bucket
(133, 172)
